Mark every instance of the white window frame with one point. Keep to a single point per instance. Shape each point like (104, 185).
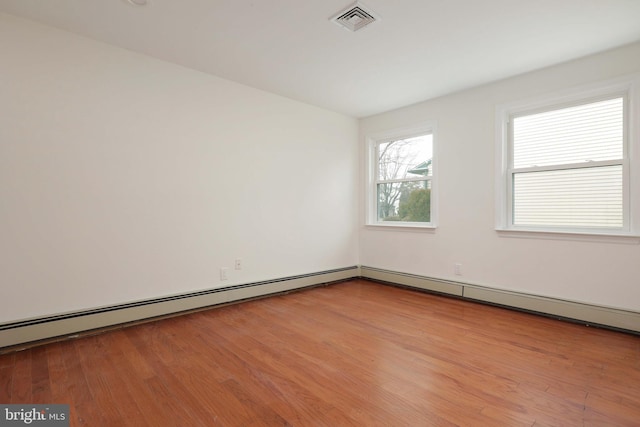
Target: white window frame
(627, 87)
(372, 142)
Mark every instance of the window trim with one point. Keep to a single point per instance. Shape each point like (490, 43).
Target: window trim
(372, 142)
(627, 87)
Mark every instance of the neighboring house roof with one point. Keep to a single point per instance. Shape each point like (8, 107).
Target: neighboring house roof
(421, 169)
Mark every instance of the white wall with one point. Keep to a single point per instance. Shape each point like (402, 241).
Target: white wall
(124, 178)
(606, 274)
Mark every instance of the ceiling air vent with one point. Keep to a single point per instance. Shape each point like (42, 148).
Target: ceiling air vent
(355, 17)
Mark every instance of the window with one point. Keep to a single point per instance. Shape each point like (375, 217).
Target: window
(402, 178)
(565, 164)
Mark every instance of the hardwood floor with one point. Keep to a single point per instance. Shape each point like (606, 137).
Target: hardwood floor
(350, 354)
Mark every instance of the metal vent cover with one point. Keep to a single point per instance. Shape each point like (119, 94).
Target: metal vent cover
(355, 17)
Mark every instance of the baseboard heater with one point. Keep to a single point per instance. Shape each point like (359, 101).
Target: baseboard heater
(14, 334)
(58, 326)
(612, 318)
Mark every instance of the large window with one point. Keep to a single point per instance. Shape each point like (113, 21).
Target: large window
(566, 166)
(402, 179)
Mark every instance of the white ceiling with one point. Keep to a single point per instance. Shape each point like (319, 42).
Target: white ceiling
(420, 49)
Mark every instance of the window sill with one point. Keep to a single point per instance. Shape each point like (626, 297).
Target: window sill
(603, 237)
(402, 226)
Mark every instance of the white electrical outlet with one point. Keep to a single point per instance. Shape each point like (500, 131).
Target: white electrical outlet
(224, 273)
(457, 269)
(238, 264)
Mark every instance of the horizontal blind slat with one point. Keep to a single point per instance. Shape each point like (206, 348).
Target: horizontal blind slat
(570, 135)
(572, 197)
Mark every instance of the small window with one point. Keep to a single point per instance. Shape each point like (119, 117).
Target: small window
(566, 165)
(402, 171)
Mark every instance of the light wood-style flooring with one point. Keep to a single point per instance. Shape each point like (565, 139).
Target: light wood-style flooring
(350, 354)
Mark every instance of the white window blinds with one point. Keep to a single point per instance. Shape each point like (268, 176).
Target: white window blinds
(567, 166)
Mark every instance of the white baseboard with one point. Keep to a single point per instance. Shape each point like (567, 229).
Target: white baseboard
(411, 280)
(43, 328)
(60, 326)
(571, 310)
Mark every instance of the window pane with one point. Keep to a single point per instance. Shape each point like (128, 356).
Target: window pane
(405, 158)
(405, 201)
(589, 197)
(588, 132)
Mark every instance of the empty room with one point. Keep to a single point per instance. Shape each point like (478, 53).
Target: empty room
(319, 213)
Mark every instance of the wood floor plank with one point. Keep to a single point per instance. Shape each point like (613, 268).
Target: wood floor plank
(21, 390)
(167, 386)
(40, 382)
(59, 379)
(84, 410)
(125, 358)
(7, 360)
(103, 395)
(350, 354)
(6, 383)
(7, 367)
(284, 382)
(110, 378)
